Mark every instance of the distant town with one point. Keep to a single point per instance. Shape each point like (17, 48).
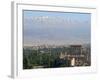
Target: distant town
(56, 56)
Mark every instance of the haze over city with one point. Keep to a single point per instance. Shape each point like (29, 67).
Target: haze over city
(56, 28)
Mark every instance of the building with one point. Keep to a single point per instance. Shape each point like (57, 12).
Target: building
(75, 55)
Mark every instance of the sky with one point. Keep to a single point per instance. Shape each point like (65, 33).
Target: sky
(56, 28)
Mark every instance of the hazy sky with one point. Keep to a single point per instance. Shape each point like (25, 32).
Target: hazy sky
(41, 27)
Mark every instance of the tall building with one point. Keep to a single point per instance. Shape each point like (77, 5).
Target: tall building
(75, 50)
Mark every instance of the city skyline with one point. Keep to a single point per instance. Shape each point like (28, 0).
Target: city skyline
(56, 28)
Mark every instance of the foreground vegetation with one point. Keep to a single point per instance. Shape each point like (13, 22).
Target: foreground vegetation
(43, 58)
